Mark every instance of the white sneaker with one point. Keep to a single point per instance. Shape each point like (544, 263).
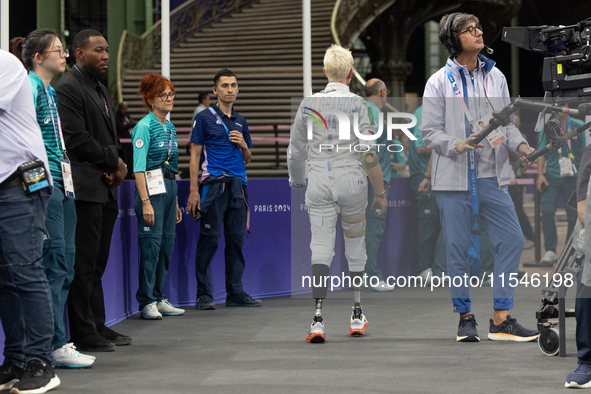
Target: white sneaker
(358, 322)
(427, 275)
(166, 309)
(68, 357)
(549, 258)
(382, 286)
(150, 312)
(528, 244)
(316, 334)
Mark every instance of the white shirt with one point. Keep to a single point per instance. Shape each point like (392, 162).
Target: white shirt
(20, 135)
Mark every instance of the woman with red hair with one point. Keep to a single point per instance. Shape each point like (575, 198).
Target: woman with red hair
(155, 163)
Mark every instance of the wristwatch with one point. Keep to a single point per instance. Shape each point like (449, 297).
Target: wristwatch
(382, 194)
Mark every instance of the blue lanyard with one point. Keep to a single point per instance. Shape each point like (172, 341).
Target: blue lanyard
(472, 177)
(213, 111)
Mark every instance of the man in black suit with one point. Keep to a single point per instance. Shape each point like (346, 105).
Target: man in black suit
(88, 121)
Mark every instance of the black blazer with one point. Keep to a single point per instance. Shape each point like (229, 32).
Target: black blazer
(91, 139)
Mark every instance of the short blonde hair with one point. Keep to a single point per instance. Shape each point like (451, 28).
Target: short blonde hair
(338, 61)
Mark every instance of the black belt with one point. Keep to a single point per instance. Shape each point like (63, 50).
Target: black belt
(169, 175)
(12, 181)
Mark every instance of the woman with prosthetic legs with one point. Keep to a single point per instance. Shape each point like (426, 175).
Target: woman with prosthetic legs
(337, 180)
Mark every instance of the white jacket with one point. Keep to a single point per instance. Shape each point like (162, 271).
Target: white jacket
(336, 96)
(443, 124)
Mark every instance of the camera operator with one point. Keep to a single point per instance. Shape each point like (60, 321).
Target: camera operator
(559, 179)
(25, 304)
(469, 180)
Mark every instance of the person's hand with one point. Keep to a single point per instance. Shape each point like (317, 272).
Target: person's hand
(541, 180)
(148, 213)
(524, 151)
(382, 202)
(194, 202)
(179, 213)
(237, 138)
(424, 186)
(109, 178)
(297, 186)
(121, 172)
(468, 144)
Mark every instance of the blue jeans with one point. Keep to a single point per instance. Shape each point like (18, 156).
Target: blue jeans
(583, 317)
(500, 220)
(156, 243)
(25, 298)
(59, 260)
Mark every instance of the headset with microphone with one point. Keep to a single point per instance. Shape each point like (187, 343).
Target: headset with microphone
(452, 41)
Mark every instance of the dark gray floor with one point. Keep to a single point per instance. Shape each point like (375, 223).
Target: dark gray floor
(409, 348)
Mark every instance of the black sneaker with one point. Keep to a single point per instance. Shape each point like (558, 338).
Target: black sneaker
(510, 330)
(205, 303)
(242, 299)
(9, 375)
(38, 378)
(467, 330)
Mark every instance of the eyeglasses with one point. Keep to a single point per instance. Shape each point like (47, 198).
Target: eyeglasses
(387, 91)
(166, 96)
(62, 52)
(472, 29)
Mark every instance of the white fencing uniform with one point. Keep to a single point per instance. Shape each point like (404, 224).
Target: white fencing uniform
(337, 182)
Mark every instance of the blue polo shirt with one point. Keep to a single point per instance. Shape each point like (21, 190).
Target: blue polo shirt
(220, 156)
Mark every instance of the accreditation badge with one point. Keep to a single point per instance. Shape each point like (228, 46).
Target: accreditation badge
(496, 136)
(155, 182)
(566, 166)
(67, 177)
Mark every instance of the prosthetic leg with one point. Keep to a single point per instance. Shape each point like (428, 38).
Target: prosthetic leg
(358, 320)
(319, 290)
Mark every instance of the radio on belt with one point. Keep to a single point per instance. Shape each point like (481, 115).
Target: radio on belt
(33, 176)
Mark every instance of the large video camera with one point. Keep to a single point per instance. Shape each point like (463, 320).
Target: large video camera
(567, 71)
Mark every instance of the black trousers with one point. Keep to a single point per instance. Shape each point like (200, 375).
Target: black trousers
(86, 305)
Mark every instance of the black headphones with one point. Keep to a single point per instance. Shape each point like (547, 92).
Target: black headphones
(451, 41)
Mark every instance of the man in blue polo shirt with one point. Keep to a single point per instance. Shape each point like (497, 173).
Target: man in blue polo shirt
(221, 142)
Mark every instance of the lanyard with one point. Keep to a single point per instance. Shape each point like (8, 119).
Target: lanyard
(59, 137)
(472, 177)
(169, 144)
(213, 111)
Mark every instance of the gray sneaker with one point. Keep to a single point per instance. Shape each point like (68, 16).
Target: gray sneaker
(150, 312)
(467, 330)
(166, 309)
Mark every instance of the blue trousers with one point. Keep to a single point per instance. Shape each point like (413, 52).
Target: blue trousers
(156, 243)
(500, 220)
(583, 317)
(25, 299)
(234, 220)
(60, 258)
(557, 187)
